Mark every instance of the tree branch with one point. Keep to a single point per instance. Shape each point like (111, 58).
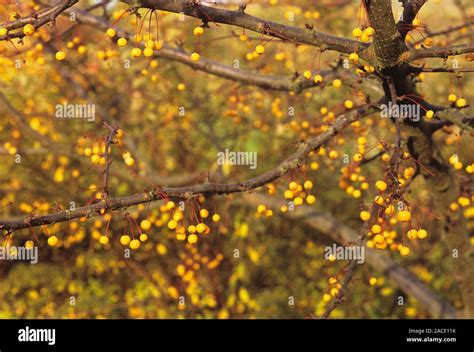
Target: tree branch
(208, 188)
(241, 19)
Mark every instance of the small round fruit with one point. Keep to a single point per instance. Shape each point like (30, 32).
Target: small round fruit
(103, 240)
(412, 234)
(364, 215)
(111, 32)
(381, 186)
(52, 241)
(404, 216)
(28, 29)
(259, 49)
(216, 217)
(125, 240)
(135, 244)
(310, 199)
(195, 57)
(60, 55)
(356, 32)
(136, 52)
(148, 52)
(192, 238)
(122, 42)
(461, 102)
(318, 79)
(198, 31)
(145, 225)
(422, 233)
(354, 57)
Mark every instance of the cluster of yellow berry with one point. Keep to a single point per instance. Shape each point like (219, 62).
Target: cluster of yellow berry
(363, 35)
(192, 232)
(298, 193)
(132, 242)
(334, 287)
(381, 238)
(258, 51)
(459, 102)
(464, 202)
(458, 165)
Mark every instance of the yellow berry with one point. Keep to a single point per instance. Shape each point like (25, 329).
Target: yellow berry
(3, 31)
(318, 79)
(348, 104)
(404, 250)
(204, 213)
(298, 201)
(60, 55)
(135, 244)
(364, 215)
(404, 216)
(124, 240)
(429, 114)
(198, 31)
(261, 208)
(422, 233)
(172, 224)
(364, 37)
(379, 200)
(260, 49)
(307, 74)
(148, 52)
(337, 83)
(192, 238)
(356, 32)
(369, 31)
(143, 237)
(293, 186)
(129, 161)
(122, 42)
(354, 57)
(145, 225)
(136, 52)
(461, 102)
(378, 239)
(201, 227)
(216, 217)
(28, 29)
(376, 229)
(195, 56)
(310, 199)
(412, 234)
(381, 186)
(103, 240)
(52, 241)
(110, 32)
(452, 97)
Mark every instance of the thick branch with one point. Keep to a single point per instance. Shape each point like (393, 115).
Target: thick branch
(388, 43)
(440, 52)
(38, 20)
(241, 19)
